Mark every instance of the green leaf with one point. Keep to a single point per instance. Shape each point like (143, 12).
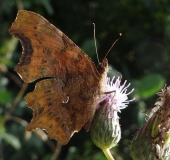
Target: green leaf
(10, 139)
(48, 6)
(88, 47)
(6, 50)
(150, 85)
(71, 153)
(99, 156)
(5, 97)
(2, 128)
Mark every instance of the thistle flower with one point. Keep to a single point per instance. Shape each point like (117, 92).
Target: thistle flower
(152, 141)
(105, 130)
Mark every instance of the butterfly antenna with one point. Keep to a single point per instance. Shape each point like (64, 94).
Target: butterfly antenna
(120, 34)
(95, 43)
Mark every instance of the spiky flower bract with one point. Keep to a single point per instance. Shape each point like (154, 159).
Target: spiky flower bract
(152, 141)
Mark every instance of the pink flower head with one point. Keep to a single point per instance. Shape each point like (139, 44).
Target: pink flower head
(116, 94)
(105, 129)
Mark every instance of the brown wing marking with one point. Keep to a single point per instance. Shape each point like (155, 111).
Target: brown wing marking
(53, 113)
(47, 52)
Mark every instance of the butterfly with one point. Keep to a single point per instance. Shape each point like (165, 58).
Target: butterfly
(69, 84)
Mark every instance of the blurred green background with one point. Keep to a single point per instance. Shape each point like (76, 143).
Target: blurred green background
(142, 56)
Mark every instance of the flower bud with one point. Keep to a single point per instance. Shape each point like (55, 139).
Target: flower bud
(105, 129)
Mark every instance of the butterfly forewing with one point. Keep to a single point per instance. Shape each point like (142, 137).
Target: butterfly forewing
(66, 102)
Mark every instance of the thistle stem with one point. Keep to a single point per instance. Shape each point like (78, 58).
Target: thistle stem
(108, 154)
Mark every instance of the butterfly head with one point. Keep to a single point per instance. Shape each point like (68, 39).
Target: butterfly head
(103, 67)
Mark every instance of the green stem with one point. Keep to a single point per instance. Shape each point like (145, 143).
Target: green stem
(108, 154)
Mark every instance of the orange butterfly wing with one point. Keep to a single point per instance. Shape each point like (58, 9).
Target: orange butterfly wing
(66, 102)
(47, 52)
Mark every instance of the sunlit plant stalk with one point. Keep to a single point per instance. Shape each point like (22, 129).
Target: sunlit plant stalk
(108, 154)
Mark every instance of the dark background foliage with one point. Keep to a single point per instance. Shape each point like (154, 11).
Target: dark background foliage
(141, 56)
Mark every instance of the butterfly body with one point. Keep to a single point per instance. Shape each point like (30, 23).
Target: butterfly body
(66, 99)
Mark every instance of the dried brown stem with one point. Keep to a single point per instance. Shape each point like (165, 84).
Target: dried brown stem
(19, 120)
(16, 101)
(57, 151)
(12, 76)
